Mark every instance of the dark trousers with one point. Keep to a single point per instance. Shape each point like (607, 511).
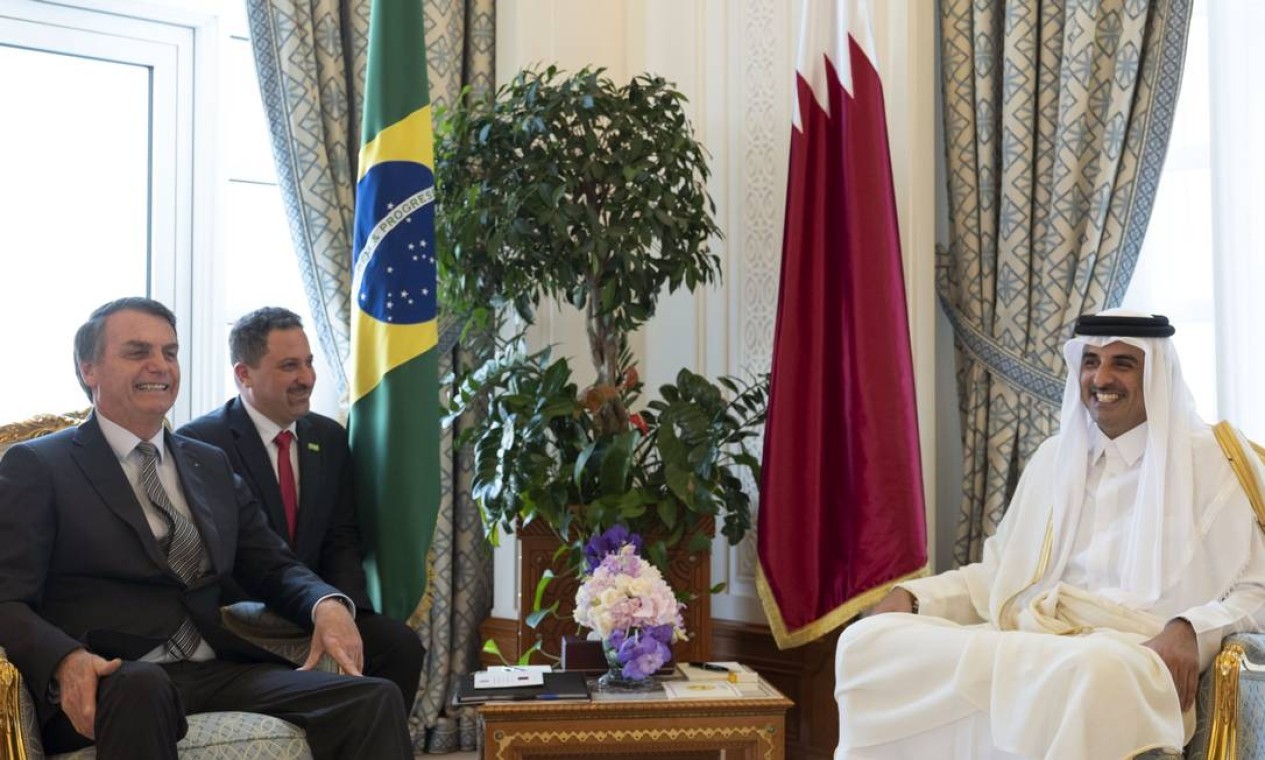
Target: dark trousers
(393, 652)
(141, 709)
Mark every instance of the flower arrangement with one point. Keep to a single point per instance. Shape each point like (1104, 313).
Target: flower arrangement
(626, 603)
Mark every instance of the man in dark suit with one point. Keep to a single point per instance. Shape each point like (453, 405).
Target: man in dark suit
(117, 540)
(297, 464)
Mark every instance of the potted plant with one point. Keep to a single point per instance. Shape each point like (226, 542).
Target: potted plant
(579, 190)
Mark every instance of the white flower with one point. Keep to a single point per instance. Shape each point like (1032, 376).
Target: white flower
(625, 592)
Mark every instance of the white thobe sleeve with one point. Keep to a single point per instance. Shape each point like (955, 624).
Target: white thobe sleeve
(959, 595)
(1242, 609)
(963, 595)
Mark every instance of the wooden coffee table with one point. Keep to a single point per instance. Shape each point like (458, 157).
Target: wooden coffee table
(614, 726)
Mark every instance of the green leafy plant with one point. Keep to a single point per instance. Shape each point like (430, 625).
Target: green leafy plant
(576, 189)
(540, 453)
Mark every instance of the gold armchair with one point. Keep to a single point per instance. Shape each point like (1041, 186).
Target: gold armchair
(39, 425)
(1232, 691)
(211, 736)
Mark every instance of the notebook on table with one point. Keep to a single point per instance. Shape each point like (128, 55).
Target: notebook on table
(559, 685)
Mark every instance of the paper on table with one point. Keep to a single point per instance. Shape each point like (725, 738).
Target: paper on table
(506, 677)
(700, 690)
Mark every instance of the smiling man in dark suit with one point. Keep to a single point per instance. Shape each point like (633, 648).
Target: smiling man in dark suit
(118, 538)
(297, 463)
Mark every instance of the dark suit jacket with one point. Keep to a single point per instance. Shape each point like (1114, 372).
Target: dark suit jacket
(79, 564)
(326, 536)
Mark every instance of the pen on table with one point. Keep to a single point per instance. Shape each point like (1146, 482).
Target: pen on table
(710, 666)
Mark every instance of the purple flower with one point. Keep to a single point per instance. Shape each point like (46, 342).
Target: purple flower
(644, 651)
(606, 543)
(661, 633)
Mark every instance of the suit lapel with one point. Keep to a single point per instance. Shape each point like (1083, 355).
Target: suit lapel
(195, 495)
(95, 458)
(254, 457)
(309, 478)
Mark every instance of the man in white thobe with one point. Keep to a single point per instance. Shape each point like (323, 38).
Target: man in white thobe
(1128, 551)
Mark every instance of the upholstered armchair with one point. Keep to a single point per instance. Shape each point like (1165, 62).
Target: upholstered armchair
(211, 736)
(1232, 703)
(1232, 691)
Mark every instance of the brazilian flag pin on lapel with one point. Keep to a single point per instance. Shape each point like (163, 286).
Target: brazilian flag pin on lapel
(313, 446)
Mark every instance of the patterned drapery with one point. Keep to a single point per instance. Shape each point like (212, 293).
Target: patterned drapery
(1056, 117)
(310, 60)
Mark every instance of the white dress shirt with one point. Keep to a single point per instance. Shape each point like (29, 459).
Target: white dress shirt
(123, 442)
(268, 431)
(1111, 487)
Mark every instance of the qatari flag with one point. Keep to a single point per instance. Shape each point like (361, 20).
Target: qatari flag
(841, 500)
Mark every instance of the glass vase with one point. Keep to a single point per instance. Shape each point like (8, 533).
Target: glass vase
(614, 678)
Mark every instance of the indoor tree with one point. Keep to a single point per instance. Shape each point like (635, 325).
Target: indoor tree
(576, 189)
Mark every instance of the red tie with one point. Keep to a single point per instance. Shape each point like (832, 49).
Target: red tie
(285, 479)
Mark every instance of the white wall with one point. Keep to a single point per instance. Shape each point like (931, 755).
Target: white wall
(734, 60)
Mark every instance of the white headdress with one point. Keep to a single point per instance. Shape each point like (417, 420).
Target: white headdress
(1164, 531)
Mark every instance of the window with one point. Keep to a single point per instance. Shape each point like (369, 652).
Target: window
(1204, 256)
(171, 192)
(1174, 275)
(96, 139)
(260, 267)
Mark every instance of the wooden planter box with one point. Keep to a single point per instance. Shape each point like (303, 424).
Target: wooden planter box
(537, 546)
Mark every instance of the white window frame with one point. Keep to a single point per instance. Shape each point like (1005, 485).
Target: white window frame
(177, 42)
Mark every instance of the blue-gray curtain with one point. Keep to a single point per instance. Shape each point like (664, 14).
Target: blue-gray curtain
(1057, 115)
(310, 60)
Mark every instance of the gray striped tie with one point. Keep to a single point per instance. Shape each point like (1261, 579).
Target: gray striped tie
(182, 544)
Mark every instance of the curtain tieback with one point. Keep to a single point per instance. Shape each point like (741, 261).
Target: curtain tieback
(1037, 381)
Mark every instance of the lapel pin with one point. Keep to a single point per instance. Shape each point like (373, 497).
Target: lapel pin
(313, 446)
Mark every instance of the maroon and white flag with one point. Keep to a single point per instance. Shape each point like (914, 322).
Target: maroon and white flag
(841, 498)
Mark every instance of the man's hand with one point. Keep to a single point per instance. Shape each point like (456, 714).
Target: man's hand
(897, 600)
(77, 676)
(336, 633)
(1177, 647)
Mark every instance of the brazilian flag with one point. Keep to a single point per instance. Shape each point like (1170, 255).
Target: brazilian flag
(394, 419)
